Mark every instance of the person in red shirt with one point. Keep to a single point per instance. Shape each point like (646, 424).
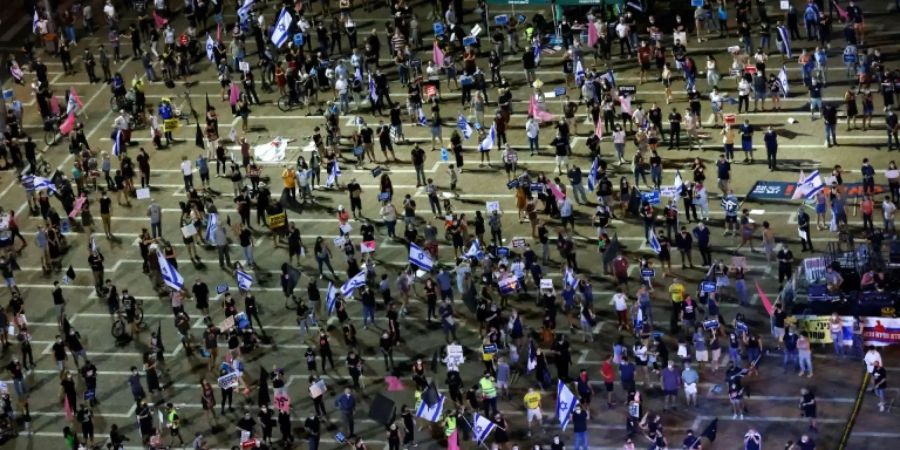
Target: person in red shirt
(608, 372)
(643, 59)
(867, 206)
(620, 270)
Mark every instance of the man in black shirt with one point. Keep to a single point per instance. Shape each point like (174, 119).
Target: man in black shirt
(803, 226)
(201, 295)
(106, 214)
(313, 429)
(59, 303)
(674, 129)
(785, 263)
(95, 260)
(354, 190)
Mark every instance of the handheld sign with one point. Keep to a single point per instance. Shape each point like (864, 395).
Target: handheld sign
(696, 3)
(627, 89)
(244, 66)
(503, 251)
(490, 349)
(518, 243)
(785, 5)
(750, 69)
(298, 39)
(651, 197)
(512, 184)
(546, 283)
(850, 58)
(711, 324)
(708, 287)
(647, 273)
(492, 206)
(501, 20)
(222, 288)
(470, 41)
(559, 92)
(438, 28)
(384, 196)
(376, 172)
(228, 381)
(730, 119)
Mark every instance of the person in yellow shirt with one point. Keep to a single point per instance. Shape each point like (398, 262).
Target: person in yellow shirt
(533, 409)
(676, 292)
(289, 177)
(728, 142)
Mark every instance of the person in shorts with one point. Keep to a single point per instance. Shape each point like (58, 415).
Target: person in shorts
(533, 409)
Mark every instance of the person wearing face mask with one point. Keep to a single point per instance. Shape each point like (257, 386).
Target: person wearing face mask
(556, 444)
(579, 425)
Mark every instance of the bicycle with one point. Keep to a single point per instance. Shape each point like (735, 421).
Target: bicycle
(120, 325)
(51, 130)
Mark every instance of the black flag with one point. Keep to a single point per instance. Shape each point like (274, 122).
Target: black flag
(198, 140)
(159, 342)
(263, 387)
(70, 273)
(430, 396)
(208, 108)
(711, 429)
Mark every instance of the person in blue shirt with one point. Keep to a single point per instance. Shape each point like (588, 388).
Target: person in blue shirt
(165, 113)
(701, 234)
(791, 353)
(811, 20)
(626, 374)
(747, 141)
(771, 140)
(346, 403)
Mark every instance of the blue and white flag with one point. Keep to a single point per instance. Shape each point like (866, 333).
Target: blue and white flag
(808, 186)
(783, 80)
(579, 72)
(532, 356)
(357, 74)
(653, 242)
(170, 275)
(537, 53)
(28, 182)
(488, 143)
(43, 183)
(330, 298)
(373, 93)
(282, 29)
(420, 258)
(210, 46)
(422, 119)
(569, 277)
(432, 413)
(212, 222)
(34, 22)
(785, 41)
(475, 250)
(244, 11)
(464, 127)
(481, 428)
(94, 247)
(679, 182)
(358, 281)
(610, 77)
(334, 174)
(117, 143)
(594, 174)
(565, 404)
(244, 280)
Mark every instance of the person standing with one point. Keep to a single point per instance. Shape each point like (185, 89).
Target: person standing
(346, 404)
(803, 228)
(879, 381)
(804, 354)
(892, 125)
(785, 263)
(771, 140)
(829, 113)
(533, 412)
(154, 213)
(808, 407)
(701, 233)
(888, 210)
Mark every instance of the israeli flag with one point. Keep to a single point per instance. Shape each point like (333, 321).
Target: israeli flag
(610, 77)
(464, 127)
(34, 22)
(481, 428)
(488, 143)
(330, 298)
(357, 74)
(420, 258)
(43, 183)
(244, 10)
(210, 45)
(594, 174)
(808, 186)
(94, 247)
(422, 119)
(170, 275)
(679, 182)
(532, 356)
(244, 280)
(569, 277)
(282, 28)
(334, 174)
(653, 242)
(358, 280)
(373, 94)
(117, 143)
(28, 182)
(565, 404)
(212, 222)
(785, 41)
(783, 79)
(433, 413)
(579, 72)
(475, 250)
(537, 53)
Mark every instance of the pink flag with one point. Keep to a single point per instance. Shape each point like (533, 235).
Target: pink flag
(75, 96)
(394, 384)
(592, 34)
(68, 125)
(842, 13)
(234, 95)
(70, 415)
(453, 440)
(437, 55)
(159, 21)
(556, 192)
(537, 113)
(598, 129)
(79, 203)
(764, 299)
(54, 105)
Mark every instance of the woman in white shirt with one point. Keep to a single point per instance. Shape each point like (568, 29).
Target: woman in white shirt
(532, 130)
(712, 72)
(188, 173)
(893, 178)
(619, 144)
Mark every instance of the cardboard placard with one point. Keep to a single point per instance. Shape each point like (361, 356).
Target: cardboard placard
(785, 5)
(384, 197)
(750, 69)
(317, 389)
(367, 247)
(708, 287)
(346, 228)
(490, 349)
(438, 28)
(171, 125)
(376, 172)
(492, 206)
(188, 230)
(143, 193)
(229, 381)
(711, 324)
(298, 39)
(647, 273)
(512, 184)
(501, 20)
(503, 252)
(470, 41)
(277, 220)
(730, 119)
(244, 66)
(559, 92)
(283, 403)
(546, 283)
(652, 197)
(518, 242)
(338, 241)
